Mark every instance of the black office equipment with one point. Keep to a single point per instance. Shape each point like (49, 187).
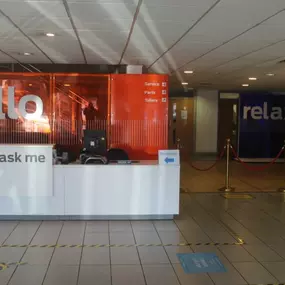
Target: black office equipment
(95, 142)
(95, 147)
(116, 154)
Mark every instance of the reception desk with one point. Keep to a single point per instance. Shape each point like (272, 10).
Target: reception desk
(145, 190)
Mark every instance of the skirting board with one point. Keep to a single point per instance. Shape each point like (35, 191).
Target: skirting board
(83, 218)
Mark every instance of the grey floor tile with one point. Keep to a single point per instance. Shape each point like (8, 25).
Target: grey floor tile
(196, 236)
(6, 228)
(165, 226)
(142, 226)
(160, 274)
(66, 256)
(208, 249)
(222, 237)
(72, 233)
(280, 248)
(122, 238)
(187, 279)
(97, 227)
(173, 250)
(29, 274)
(232, 276)
(187, 225)
(23, 233)
(74, 225)
(124, 256)
(277, 269)
(236, 254)
(120, 226)
(127, 274)
(6, 275)
(171, 237)
(96, 238)
(11, 254)
(96, 256)
(48, 233)
(61, 275)
(91, 275)
(38, 256)
(144, 237)
(254, 273)
(71, 237)
(263, 253)
(153, 255)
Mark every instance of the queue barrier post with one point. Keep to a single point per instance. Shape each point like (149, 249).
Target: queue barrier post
(282, 189)
(227, 187)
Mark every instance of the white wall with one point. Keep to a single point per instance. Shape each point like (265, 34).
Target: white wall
(206, 121)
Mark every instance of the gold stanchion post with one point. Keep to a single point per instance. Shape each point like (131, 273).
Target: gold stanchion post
(227, 187)
(282, 189)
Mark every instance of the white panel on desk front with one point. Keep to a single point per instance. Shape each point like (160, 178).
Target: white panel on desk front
(121, 190)
(34, 205)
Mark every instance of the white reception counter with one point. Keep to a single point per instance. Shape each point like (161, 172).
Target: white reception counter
(138, 191)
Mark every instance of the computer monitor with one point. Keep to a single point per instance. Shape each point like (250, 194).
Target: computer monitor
(95, 142)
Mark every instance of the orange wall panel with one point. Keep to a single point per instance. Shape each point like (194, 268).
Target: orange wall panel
(139, 113)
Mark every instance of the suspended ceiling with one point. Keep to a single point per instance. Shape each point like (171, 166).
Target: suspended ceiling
(224, 42)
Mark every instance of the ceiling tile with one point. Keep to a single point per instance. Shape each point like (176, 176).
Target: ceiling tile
(48, 9)
(94, 12)
(43, 24)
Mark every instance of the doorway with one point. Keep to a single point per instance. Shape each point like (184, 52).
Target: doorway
(180, 133)
(228, 119)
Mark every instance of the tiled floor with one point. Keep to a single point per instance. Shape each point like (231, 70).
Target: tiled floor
(204, 218)
(241, 178)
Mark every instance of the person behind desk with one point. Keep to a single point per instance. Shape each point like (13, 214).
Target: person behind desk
(90, 114)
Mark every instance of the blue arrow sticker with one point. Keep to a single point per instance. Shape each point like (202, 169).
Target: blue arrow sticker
(169, 160)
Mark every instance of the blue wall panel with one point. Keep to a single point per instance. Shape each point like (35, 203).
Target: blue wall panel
(262, 124)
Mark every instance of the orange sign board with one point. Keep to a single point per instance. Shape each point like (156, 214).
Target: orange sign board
(139, 113)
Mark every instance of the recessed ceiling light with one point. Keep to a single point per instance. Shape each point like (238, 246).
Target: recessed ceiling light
(30, 84)
(245, 85)
(66, 85)
(184, 83)
(252, 78)
(188, 71)
(270, 74)
(49, 34)
(27, 53)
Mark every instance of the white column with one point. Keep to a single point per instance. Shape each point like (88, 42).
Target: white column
(206, 121)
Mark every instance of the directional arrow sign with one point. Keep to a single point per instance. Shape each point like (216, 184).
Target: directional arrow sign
(169, 160)
(168, 156)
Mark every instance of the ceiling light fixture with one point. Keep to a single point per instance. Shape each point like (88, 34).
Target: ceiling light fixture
(30, 84)
(184, 83)
(27, 53)
(245, 85)
(188, 71)
(49, 34)
(66, 85)
(252, 78)
(270, 74)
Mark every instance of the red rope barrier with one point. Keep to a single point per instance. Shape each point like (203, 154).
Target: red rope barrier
(212, 166)
(257, 168)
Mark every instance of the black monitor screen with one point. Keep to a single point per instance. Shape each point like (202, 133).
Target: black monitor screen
(95, 141)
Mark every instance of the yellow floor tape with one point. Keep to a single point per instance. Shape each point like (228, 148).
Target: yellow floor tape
(113, 245)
